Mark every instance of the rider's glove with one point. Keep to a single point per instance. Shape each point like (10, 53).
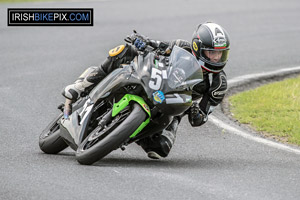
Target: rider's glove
(138, 40)
(196, 116)
(139, 44)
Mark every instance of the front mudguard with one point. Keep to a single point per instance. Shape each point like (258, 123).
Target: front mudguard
(118, 107)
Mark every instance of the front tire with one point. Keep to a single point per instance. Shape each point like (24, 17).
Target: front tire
(50, 141)
(99, 143)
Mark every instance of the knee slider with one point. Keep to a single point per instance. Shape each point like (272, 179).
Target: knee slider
(165, 147)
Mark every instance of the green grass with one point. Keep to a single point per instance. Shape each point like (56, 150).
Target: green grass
(273, 109)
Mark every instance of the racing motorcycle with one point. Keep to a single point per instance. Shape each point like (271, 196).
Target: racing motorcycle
(131, 103)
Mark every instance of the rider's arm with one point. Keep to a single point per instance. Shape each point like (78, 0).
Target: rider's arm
(168, 46)
(217, 89)
(122, 54)
(210, 99)
(182, 44)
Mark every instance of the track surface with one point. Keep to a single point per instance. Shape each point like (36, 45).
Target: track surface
(205, 163)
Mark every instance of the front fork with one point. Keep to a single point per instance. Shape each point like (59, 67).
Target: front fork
(67, 108)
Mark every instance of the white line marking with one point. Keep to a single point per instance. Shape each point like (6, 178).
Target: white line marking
(235, 131)
(236, 80)
(244, 134)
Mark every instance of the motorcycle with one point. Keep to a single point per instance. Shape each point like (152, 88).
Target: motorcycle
(131, 103)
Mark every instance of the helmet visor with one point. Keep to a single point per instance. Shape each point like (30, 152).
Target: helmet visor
(216, 56)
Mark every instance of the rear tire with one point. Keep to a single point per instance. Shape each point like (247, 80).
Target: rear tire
(50, 141)
(91, 150)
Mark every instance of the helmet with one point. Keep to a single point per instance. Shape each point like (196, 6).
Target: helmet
(210, 44)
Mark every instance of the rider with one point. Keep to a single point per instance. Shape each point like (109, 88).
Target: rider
(210, 44)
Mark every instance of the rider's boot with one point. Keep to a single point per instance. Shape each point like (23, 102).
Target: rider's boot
(159, 145)
(89, 78)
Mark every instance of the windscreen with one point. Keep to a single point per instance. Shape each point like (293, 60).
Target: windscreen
(185, 70)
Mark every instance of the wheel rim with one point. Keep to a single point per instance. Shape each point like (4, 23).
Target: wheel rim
(100, 133)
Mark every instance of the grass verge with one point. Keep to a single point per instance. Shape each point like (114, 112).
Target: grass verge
(273, 109)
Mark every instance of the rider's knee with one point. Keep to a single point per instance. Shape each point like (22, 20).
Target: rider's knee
(71, 92)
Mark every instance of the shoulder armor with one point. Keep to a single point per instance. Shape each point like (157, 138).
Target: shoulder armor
(116, 51)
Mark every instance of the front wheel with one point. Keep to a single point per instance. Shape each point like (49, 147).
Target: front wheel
(50, 141)
(101, 142)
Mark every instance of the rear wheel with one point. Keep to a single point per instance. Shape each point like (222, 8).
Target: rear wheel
(50, 141)
(102, 141)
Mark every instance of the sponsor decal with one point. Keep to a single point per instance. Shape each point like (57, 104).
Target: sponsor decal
(158, 96)
(146, 107)
(156, 64)
(219, 41)
(195, 46)
(50, 17)
(220, 93)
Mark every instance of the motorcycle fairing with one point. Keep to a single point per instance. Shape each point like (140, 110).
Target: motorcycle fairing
(75, 126)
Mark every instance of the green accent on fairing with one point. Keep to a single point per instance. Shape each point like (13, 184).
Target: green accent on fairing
(156, 64)
(125, 101)
(117, 107)
(140, 128)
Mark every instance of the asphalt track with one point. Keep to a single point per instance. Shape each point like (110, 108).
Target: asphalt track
(206, 162)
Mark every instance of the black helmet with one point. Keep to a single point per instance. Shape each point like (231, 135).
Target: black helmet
(211, 38)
